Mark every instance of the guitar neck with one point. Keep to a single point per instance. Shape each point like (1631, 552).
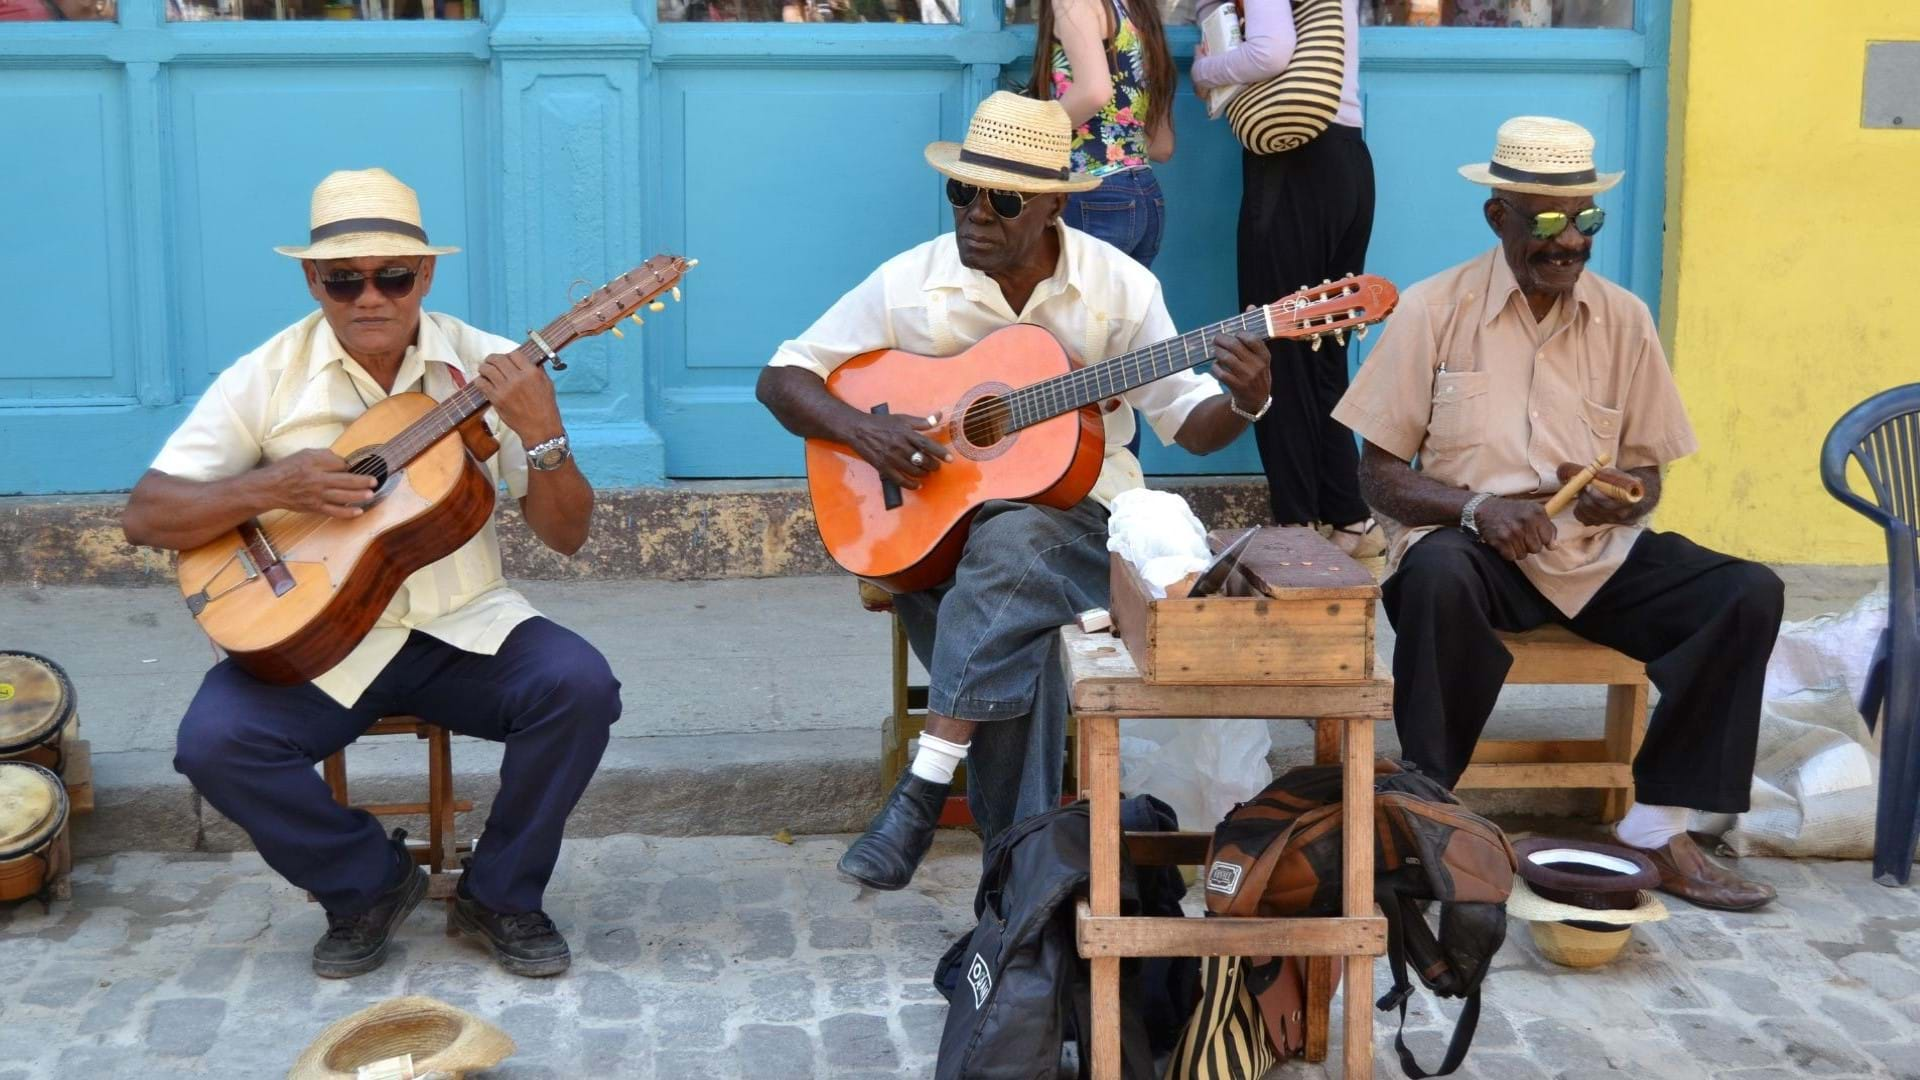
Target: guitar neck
(1084, 386)
(462, 405)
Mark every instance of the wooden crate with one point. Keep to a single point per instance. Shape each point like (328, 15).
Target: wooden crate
(1315, 626)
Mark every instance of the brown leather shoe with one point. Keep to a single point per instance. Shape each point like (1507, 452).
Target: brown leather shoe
(1686, 872)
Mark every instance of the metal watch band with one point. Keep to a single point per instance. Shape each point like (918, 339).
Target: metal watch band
(1467, 521)
(536, 453)
(1247, 416)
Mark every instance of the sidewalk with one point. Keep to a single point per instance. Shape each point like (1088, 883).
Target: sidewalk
(751, 705)
(698, 958)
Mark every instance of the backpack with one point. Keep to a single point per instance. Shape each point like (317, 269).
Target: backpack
(1280, 854)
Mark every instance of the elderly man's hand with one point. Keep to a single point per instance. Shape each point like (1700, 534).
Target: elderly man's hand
(1595, 507)
(523, 395)
(1516, 528)
(1242, 365)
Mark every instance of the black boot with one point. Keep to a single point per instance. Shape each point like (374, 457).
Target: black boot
(888, 853)
(356, 944)
(524, 943)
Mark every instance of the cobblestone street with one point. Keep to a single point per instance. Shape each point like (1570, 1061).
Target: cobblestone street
(741, 957)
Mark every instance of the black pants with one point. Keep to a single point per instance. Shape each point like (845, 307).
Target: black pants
(1702, 622)
(1306, 216)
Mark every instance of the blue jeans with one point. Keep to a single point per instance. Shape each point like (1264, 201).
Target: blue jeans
(250, 748)
(1126, 210)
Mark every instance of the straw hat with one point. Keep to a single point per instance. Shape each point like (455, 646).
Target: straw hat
(361, 212)
(443, 1041)
(1014, 143)
(1539, 155)
(1578, 946)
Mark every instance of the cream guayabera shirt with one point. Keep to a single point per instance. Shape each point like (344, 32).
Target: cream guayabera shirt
(299, 391)
(1099, 303)
(1488, 399)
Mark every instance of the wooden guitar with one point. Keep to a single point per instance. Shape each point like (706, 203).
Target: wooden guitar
(288, 595)
(1022, 423)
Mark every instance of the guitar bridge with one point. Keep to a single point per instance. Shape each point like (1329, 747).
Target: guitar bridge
(197, 602)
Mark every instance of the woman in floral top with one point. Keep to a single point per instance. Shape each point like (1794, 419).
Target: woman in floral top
(1106, 62)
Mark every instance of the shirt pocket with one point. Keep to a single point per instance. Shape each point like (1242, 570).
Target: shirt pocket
(1459, 410)
(1603, 427)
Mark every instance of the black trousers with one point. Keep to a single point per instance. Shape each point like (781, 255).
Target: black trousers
(1306, 216)
(1702, 622)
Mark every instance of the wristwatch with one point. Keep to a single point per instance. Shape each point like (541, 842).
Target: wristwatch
(549, 455)
(1247, 416)
(1467, 521)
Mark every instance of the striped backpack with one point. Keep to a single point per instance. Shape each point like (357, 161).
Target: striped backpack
(1286, 111)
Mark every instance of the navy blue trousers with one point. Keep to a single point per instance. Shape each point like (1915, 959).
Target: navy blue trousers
(250, 748)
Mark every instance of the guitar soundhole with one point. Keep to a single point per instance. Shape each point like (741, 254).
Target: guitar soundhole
(370, 462)
(986, 421)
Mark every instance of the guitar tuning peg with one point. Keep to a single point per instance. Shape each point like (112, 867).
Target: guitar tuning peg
(656, 306)
(1316, 342)
(1326, 281)
(1340, 336)
(618, 334)
(676, 293)
(1360, 332)
(637, 320)
(692, 263)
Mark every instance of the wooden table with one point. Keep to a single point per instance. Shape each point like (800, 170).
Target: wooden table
(1107, 688)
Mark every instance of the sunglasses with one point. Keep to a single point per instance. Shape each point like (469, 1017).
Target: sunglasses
(1007, 204)
(1551, 223)
(345, 286)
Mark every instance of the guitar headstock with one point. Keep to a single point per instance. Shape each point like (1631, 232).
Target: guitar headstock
(601, 310)
(1352, 303)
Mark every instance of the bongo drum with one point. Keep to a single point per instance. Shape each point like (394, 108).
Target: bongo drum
(36, 706)
(33, 810)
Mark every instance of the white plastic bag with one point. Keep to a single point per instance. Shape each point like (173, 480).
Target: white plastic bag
(1200, 768)
(1157, 532)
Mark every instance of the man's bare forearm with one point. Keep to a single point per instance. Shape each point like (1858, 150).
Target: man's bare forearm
(1394, 489)
(178, 514)
(798, 398)
(558, 506)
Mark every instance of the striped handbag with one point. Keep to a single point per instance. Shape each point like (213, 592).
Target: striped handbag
(1286, 111)
(1225, 1039)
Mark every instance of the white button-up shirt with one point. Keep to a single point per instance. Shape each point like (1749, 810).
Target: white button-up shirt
(1099, 303)
(299, 391)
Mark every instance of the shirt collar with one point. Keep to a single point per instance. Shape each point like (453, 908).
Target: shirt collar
(1501, 288)
(430, 346)
(948, 272)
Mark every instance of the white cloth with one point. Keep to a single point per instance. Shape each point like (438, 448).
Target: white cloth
(1099, 303)
(299, 391)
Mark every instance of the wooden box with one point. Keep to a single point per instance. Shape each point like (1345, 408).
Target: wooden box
(1314, 624)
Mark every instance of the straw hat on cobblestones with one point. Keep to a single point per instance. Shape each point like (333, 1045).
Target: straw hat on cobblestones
(1014, 143)
(364, 212)
(443, 1042)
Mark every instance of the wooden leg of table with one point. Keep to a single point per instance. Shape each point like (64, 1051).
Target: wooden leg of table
(1626, 726)
(1357, 891)
(1100, 736)
(334, 768)
(1326, 751)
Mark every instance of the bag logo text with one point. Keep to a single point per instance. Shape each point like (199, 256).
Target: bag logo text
(980, 979)
(1224, 877)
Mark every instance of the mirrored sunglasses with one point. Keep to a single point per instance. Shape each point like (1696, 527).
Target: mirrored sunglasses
(1551, 223)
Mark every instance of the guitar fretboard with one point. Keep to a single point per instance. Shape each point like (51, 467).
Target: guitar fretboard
(1081, 387)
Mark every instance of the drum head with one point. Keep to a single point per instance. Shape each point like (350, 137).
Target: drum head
(35, 701)
(33, 806)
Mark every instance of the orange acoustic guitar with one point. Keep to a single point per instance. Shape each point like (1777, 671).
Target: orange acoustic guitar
(1022, 423)
(288, 595)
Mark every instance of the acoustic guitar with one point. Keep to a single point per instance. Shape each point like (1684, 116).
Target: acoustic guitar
(1022, 423)
(288, 595)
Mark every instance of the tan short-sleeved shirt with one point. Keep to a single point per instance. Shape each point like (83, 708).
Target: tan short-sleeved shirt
(1098, 302)
(299, 391)
(1465, 379)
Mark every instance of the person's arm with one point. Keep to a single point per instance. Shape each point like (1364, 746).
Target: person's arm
(558, 503)
(1081, 26)
(1242, 366)
(1268, 46)
(1516, 528)
(179, 514)
(1160, 140)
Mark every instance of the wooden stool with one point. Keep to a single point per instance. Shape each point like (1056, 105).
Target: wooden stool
(1556, 655)
(440, 851)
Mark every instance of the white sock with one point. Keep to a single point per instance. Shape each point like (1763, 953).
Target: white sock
(1649, 826)
(938, 758)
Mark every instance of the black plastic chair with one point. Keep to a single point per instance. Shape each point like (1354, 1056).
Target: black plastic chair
(1882, 433)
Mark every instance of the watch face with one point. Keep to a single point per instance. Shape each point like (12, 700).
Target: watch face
(550, 457)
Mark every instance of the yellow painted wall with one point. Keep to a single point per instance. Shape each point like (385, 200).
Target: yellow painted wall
(1792, 267)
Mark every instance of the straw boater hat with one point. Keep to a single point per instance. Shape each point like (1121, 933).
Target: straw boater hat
(1590, 913)
(362, 212)
(443, 1042)
(1014, 143)
(1539, 155)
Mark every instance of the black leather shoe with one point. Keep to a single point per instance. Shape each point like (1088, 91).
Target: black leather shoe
(888, 853)
(524, 943)
(357, 944)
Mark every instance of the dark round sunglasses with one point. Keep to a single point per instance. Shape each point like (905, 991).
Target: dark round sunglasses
(1007, 204)
(345, 286)
(1551, 223)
